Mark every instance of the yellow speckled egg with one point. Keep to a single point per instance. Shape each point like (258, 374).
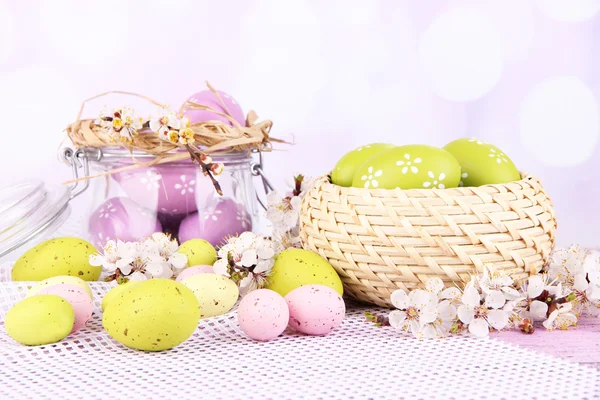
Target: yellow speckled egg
(60, 280)
(155, 315)
(198, 252)
(297, 267)
(215, 293)
(57, 257)
(41, 319)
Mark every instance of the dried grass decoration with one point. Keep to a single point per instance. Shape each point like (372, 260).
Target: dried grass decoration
(162, 135)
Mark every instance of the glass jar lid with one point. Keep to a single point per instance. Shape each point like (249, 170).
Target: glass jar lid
(28, 211)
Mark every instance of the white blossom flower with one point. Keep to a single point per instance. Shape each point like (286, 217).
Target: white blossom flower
(579, 271)
(414, 311)
(247, 259)
(492, 280)
(123, 124)
(164, 121)
(561, 318)
(480, 317)
(117, 255)
(283, 212)
(446, 315)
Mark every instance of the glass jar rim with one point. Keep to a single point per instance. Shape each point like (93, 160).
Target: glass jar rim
(118, 153)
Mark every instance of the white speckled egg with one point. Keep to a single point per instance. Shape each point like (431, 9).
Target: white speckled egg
(263, 314)
(216, 294)
(315, 309)
(77, 297)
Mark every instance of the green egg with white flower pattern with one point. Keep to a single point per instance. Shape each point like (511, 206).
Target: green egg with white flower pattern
(415, 166)
(482, 163)
(344, 170)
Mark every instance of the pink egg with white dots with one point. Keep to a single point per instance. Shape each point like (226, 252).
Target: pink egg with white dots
(315, 309)
(168, 189)
(121, 218)
(215, 224)
(195, 270)
(263, 314)
(208, 98)
(77, 298)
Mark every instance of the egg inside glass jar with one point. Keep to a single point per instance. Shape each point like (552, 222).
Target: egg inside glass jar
(226, 218)
(121, 218)
(225, 105)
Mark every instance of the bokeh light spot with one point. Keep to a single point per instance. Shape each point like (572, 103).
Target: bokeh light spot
(569, 10)
(560, 122)
(86, 32)
(462, 55)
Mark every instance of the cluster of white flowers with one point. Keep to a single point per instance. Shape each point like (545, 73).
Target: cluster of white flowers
(566, 289)
(122, 124)
(154, 257)
(247, 259)
(284, 212)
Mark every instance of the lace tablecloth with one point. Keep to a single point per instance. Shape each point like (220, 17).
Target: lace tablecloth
(357, 361)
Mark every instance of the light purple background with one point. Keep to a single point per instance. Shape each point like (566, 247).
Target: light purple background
(522, 74)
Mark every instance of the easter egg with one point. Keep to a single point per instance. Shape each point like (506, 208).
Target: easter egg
(60, 280)
(78, 299)
(168, 189)
(57, 257)
(116, 292)
(216, 294)
(315, 309)
(154, 315)
(121, 218)
(39, 320)
(263, 314)
(195, 270)
(297, 267)
(482, 163)
(215, 224)
(345, 169)
(198, 252)
(208, 98)
(409, 167)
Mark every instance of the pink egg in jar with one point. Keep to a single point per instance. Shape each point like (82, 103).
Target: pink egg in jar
(208, 98)
(168, 189)
(315, 309)
(123, 219)
(77, 298)
(217, 223)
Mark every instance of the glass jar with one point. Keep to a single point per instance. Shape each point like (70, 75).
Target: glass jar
(130, 203)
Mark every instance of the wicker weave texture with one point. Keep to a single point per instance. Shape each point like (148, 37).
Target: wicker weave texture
(382, 240)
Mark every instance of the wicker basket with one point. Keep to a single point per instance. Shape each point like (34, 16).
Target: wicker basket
(380, 240)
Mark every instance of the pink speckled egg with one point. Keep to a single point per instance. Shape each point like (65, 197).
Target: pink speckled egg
(215, 224)
(77, 297)
(315, 309)
(208, 98)
(165, 189)
(195, 270)
(121, 218)
(263, 314)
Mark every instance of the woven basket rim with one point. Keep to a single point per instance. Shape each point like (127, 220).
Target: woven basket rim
(526, 178)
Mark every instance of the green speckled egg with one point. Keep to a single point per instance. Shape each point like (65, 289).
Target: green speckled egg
(116, 292)
(198, 252)
(344, 170)
(57, 257)
(41, 319)
(409, 167)
(155, 315)
(482, 163)
(296, 267)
